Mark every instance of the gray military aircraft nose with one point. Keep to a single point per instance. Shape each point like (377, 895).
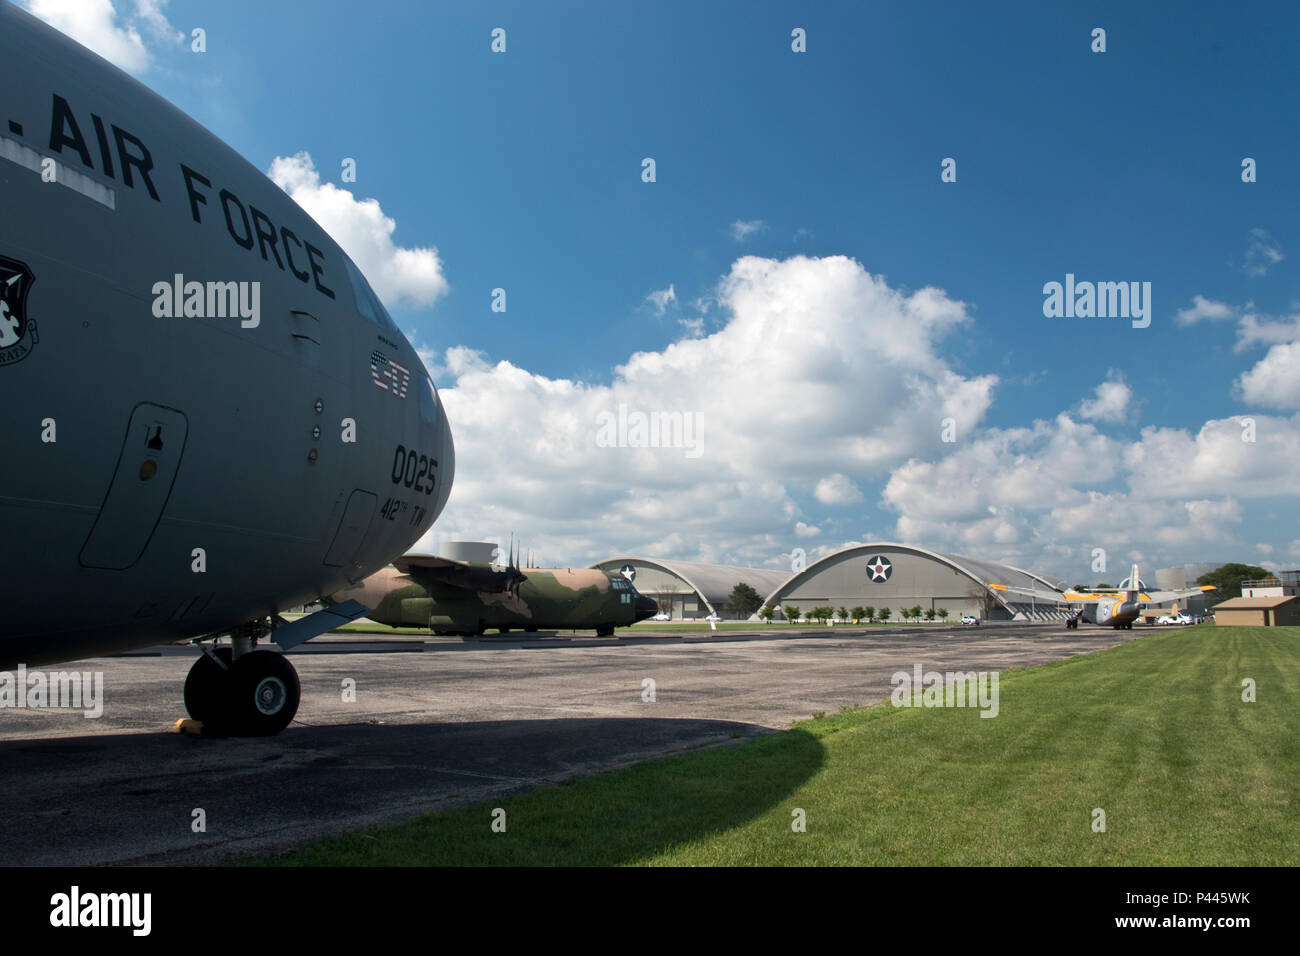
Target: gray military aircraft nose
(645, 607)
(209, 415)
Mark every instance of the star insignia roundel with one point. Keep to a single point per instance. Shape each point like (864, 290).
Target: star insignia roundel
(879, 568)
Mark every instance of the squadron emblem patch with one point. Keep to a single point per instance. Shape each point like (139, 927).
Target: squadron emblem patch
(17, 329)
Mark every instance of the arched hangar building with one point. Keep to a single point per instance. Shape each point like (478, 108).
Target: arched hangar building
(880, 575)
(687, 589)
(897, 576)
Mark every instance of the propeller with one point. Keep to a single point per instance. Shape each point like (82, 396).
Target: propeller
(514, 577)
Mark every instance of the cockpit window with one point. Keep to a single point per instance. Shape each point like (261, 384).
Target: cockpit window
(368, 303)
(428, 401)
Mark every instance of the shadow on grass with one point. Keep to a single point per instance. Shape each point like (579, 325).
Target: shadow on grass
(272, 793)
(624, 816)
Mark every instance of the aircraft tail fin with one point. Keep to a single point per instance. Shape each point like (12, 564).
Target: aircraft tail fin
(1134, 587)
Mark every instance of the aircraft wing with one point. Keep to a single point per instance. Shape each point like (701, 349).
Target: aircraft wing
(1028, 593)
(1159, 597)
(408, 561)
(459, 574)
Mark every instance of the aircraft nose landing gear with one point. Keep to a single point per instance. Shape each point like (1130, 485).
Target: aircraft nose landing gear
(241, 692)
(254, 695)
(264, 694)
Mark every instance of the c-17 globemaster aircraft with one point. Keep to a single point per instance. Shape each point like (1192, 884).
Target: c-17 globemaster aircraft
(208, 415)
(462, 597)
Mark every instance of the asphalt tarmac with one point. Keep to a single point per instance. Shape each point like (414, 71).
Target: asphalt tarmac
(435, 722)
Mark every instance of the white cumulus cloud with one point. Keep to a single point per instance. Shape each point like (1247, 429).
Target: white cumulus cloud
(1203, 308)
(1110, 402)
(837, 490)
(150, 13)
(95, 24)
(1045, 497)
(1259, 330)
(1249, 456)
(1275, 379)
(818, 368)
(398, 274)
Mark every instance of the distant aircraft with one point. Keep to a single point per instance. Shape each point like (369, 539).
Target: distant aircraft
(461, 597)
(1120, 608)
(208, 415)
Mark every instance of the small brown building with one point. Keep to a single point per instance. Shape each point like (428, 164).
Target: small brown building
(1259, 611)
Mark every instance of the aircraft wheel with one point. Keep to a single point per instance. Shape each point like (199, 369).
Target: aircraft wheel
(263, 694)
(503, 630)
(531, 630)
(606, 630)
(205, 686)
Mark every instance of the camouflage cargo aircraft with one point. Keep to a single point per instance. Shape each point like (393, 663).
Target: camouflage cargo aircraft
(461, 597)
(208, 415)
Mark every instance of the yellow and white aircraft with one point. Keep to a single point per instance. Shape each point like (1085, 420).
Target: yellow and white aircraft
(1118, 608)
(1121, 607)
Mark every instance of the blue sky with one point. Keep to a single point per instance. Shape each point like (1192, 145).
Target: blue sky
(523, 169)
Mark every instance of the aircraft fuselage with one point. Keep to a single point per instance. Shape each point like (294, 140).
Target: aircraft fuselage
(208, 415)
(557, 598)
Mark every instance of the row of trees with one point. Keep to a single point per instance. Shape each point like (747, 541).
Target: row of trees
(868, 613)
(1228, 579)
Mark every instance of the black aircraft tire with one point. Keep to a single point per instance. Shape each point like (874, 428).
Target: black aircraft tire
(205, 687)
(605, 631)
(263, 695)
(531, 630)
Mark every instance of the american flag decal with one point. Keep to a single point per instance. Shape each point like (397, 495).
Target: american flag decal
(389, 375)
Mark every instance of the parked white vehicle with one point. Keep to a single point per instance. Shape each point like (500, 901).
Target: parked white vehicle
(969, 619)
(1174, 619)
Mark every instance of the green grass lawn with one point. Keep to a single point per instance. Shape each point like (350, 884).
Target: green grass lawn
(369, 627)
(1154, 732)
(776, 627)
